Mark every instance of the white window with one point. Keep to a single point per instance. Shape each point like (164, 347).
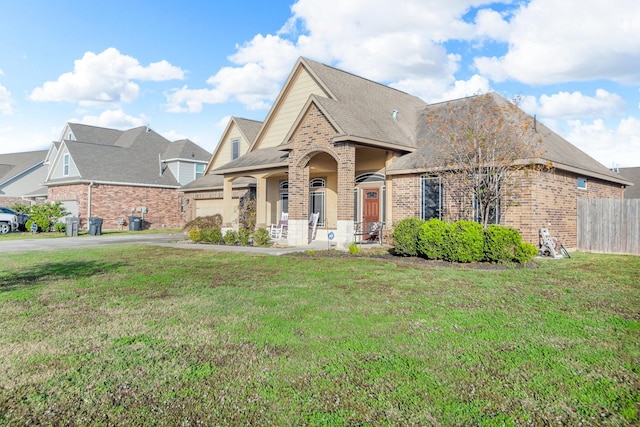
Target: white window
(199, 170)
(316, 198)
(284, 198)
(582, 183)
(235, 149)
(65, 165)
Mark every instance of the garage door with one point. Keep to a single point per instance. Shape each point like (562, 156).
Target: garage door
(209, 207)
(71, 206)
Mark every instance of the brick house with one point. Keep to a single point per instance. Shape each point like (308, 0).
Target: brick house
(113, 174)
(353, 150)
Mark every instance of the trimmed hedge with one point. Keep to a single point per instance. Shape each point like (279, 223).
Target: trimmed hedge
(461, 241)
(405, 236)
(432, 239)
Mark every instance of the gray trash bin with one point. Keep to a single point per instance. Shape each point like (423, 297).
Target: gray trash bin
(135, 223)
(73, 223)
(95, 226)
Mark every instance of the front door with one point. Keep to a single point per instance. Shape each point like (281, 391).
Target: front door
(370, 208)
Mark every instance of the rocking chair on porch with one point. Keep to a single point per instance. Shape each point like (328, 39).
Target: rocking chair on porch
(279, 230)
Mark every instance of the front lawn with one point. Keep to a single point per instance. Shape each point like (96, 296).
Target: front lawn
(146, 335)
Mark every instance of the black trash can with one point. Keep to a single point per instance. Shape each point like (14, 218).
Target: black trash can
(135, 223)
(72, 226)
(95, 226)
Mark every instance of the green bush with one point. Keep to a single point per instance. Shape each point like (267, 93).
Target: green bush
(525, 252)
(211, 235)
(501, 243)
(194, 235)
(244, 236)
(60, 227)
(405, 236)
(354, 249)
(432, 239)
(28, 224)
(47, 214)
(202, 222)
(465, 242)
(261, 237)
(230, 237)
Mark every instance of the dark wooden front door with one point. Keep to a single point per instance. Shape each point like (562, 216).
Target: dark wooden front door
(371, 208)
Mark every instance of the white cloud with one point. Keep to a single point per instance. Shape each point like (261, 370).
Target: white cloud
(6, 101)
(565, 105)
(554, 41)
(113, 119)
(107, 77)
(611, 146)
(357, 36)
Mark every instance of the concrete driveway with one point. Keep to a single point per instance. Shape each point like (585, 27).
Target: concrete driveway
(176, 240)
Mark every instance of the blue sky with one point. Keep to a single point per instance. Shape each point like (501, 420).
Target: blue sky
(184, 68)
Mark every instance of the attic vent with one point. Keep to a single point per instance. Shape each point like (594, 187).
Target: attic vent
(394, 114)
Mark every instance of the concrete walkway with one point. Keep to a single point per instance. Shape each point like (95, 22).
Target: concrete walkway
(174, 240)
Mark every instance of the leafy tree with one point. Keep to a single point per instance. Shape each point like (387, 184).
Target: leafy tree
(482, 142)
(47, 214)
(20, 208)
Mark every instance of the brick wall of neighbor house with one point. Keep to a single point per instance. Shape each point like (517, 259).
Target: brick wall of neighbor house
(111, 202)
(10, 201)
(548, 199)
(313, 136)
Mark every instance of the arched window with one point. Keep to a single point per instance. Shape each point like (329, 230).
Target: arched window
(317, 183)
(284, 197)
(316, 198)
(369, 177)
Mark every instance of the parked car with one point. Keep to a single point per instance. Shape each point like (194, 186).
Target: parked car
(8, 220)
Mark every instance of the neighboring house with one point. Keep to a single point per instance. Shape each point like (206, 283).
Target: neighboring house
(205, 195)
(633, 175)
(113, 174)
(354, 150)
(22, 176)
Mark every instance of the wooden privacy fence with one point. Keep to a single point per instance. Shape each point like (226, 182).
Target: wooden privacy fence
(609, 226)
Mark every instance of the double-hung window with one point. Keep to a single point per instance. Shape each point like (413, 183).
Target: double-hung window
(235, 149)
(199, 170)
(65, 164)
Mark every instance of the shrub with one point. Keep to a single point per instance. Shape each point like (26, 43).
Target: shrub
(230, 237)
(261, 237)
(28, 224)
(244, 236)
(47, 214)
(432, 239)
(354, 249)
(501, 243)
(525, 252)
(211, 221)
(211, 235)
(465, 242)
(60, 227)
(194, 234)
(405, 236)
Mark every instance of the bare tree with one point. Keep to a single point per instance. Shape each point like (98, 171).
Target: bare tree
(484, 141)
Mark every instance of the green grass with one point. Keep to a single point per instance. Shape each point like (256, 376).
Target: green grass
(154, 336)
(25, 235)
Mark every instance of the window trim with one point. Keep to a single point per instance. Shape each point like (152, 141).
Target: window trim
(235, 148)
(195, 170)
(581, 180)
(66, 161)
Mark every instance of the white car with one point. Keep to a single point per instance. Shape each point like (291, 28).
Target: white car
(8, 220)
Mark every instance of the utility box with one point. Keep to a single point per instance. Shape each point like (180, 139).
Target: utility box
(73, 223)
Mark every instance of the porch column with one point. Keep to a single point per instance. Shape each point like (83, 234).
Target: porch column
(261, 201)
(227, 197)
(298, 223)
(346, 185)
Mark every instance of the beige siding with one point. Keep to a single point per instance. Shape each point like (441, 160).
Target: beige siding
(209, 207)
(223, 153)
(295, 96)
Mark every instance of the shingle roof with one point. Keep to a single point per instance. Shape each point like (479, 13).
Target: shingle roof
(249, 128)
(215, 182)
(633, 175)
(127, 157)
(365, 109)
(263, 157)
(14, 164)
(186, 149)
(553, 148)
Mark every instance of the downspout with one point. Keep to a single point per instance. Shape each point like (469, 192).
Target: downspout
(89, 201)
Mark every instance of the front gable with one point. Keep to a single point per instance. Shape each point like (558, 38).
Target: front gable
(223, 154)
(63, 165)
(300, 85)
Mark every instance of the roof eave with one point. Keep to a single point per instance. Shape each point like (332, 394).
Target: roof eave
(250, 168)
(372, 143)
